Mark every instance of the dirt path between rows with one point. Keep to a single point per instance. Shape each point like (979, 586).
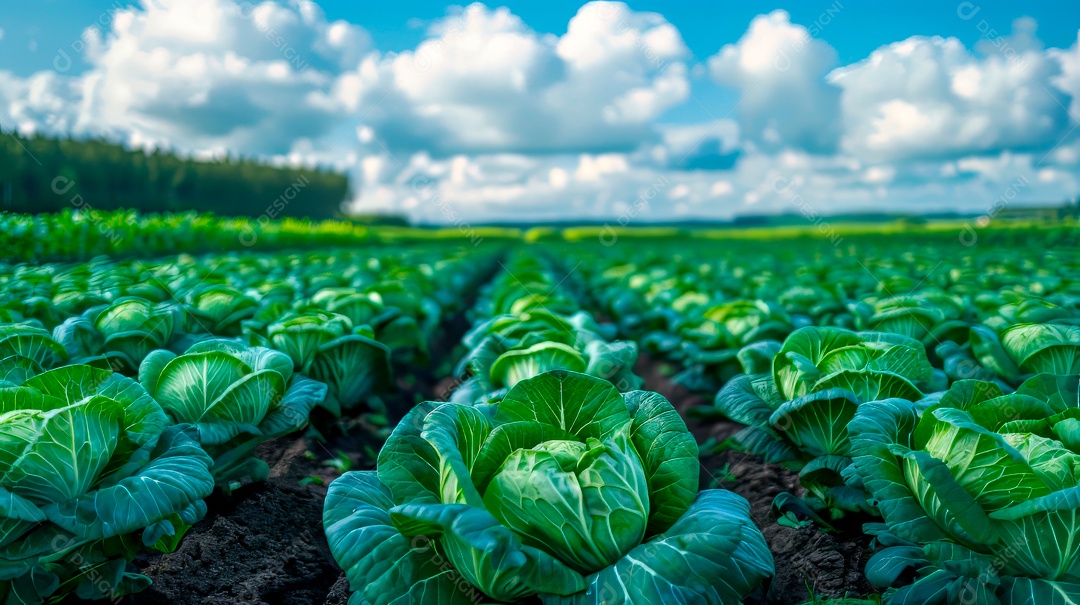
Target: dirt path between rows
(262, 545)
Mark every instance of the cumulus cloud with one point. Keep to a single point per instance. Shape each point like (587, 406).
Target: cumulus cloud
(1069, 79)
(485, 82)
(711, 146)
(779, 71)
(199, 75)
(930, 97)
(215, 74)
(42, 102)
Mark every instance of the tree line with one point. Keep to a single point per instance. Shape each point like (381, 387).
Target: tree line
(41, 173)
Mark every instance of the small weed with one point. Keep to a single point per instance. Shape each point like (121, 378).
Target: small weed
(724, 475)
(341, 463)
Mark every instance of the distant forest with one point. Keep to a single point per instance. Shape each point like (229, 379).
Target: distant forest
(47, 174)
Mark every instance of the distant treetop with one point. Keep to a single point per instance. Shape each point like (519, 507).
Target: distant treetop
(46, 174)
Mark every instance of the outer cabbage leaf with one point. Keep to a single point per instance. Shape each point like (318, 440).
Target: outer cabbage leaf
(713, 554)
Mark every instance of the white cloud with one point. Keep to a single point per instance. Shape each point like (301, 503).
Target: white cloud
(558, 178)
(202, 75)
(721, 189)
(484, 82)
(710, 146)
(1069, 78)
(42, 102)
(593, 167)
(215, 74)
(779, 71)
(930, 97)
(879, 174)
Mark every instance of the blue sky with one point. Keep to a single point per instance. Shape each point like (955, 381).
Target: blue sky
(857, 30)
(552, 108)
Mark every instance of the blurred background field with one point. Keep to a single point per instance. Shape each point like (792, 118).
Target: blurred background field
(68, 199)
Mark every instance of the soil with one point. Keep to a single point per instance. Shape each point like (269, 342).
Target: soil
(264, 544)
(809, 562)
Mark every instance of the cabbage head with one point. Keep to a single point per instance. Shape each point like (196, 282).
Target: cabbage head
(236, 397)
(327, 347)
(798, 413)
(91, 471)
(980, 493)
(1023, 350)
(566, 489)
(125, 332)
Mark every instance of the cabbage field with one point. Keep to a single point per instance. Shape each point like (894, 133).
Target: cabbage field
(575, 417)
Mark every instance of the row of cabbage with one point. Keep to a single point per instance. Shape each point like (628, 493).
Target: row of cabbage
(83, 234)
(86, 233)
(933, 393)
(549, 475)
(972, 308)
(129, 390)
